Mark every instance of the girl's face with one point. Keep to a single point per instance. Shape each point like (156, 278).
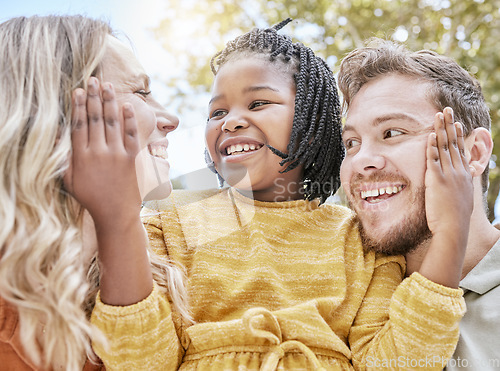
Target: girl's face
(131, 84)
(252, 106)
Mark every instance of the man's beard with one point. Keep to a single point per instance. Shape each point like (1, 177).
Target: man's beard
(404, 237)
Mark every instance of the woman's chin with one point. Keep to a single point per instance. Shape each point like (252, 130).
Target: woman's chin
(158, 193)
(152, 176)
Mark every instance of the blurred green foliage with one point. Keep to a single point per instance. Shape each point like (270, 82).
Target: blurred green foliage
(466, 30)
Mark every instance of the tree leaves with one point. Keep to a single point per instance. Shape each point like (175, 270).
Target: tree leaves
(466, 30)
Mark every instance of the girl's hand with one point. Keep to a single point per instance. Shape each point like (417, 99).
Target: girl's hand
(102, 173)
(448, 182)
(448, 201)
(102, 178)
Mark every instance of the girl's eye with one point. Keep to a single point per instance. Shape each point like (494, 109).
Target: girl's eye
(350, 143)
(258, 103)
(392, 133)
(217, 113)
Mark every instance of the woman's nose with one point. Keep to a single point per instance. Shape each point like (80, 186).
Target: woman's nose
(168, 122)
(165, 120)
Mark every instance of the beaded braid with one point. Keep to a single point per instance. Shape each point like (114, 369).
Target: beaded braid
(316, 138)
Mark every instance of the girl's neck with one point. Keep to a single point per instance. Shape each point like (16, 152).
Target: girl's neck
(290, 193)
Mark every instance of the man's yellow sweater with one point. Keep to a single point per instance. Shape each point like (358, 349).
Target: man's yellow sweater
(278, 285)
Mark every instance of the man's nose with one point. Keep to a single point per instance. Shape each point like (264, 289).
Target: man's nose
(369, 157)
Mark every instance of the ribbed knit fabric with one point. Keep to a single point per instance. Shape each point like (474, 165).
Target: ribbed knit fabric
(277, 285)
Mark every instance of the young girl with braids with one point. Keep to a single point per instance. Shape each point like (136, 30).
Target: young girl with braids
(276, 278)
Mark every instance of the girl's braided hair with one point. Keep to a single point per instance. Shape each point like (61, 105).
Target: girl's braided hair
(316, 139)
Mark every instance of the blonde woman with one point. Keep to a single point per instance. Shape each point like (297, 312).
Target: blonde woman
(48, 275)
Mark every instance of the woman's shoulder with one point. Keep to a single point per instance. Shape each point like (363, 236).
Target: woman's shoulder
(8, 320)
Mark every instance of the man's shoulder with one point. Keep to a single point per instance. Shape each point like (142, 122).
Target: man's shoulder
(485, 275)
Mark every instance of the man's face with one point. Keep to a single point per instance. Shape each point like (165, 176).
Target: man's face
(385, 136)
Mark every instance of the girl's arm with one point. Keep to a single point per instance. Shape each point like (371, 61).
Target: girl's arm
(102, 178)
(405, 325)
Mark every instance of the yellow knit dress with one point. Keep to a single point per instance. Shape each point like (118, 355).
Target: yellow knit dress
(278, 286)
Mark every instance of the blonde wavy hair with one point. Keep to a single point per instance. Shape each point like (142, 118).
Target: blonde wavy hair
(43, 273)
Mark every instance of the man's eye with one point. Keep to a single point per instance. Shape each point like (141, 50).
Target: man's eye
(217, 113)
(350, 143)
(392, 133)
(258, 103)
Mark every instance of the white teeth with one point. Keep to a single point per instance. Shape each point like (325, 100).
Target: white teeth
(243, 147)
(380, 192)
(160, 152)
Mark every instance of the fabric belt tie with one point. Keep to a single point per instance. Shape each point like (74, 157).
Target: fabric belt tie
(271, 360)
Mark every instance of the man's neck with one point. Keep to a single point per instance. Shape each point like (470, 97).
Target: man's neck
(482, 237)
(415, 257)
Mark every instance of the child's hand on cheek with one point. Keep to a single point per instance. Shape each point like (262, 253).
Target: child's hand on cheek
(102, 178)
(448, 201)
(102, 173)
(448, 182)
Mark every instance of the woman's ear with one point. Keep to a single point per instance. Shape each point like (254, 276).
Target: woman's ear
(479, 146)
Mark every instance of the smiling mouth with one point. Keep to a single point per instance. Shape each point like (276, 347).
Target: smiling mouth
(158, 151)
(236, 149)
(380, 194)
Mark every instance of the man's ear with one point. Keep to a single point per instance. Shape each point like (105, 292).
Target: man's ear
(479, 146)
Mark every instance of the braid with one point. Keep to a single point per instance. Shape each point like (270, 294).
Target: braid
(315, 140)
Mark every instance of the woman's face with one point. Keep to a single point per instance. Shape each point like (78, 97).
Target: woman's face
(131, 84)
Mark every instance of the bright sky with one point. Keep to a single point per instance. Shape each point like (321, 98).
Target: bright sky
(134, 18)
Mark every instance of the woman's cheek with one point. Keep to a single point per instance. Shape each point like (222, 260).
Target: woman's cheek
(152, 176)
